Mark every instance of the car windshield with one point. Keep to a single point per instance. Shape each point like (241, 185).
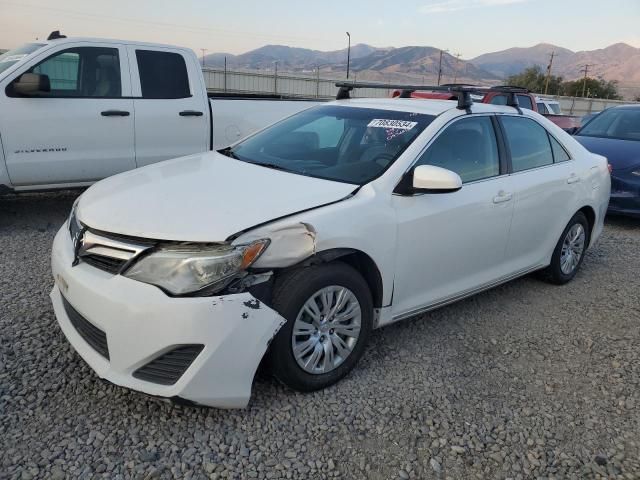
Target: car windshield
(345, 144)
(14, 56)
(620, 123)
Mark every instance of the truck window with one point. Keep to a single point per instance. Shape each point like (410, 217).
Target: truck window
(162, 74)
(525, 101)
(542, 109)
(555, 108)
(86, 72)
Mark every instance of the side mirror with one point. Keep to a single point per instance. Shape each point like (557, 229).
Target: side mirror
(32, 84)
(432, 179)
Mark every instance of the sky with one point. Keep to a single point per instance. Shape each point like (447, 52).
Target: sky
(468, 27)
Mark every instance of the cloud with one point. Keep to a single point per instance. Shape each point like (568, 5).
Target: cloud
(446, 6)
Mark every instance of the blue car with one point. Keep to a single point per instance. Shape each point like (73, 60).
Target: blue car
(615, 134)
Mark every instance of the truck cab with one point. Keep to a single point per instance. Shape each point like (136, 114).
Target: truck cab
(93, 108)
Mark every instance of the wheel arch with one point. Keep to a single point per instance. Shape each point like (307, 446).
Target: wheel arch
(357, 259)
(590, 213)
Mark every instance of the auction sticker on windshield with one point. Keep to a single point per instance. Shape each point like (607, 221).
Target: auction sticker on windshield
(388, 123)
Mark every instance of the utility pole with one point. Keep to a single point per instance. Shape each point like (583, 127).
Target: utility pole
(546, 81)
(225, 73)
(204, 51)
(455, 77)
(440, 66)
(586, 71)
(348, 53)
(275, 78)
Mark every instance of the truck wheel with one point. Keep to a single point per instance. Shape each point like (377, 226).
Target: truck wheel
(569, 252)
(329, 313)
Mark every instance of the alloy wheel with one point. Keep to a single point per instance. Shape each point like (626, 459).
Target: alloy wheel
(326, 329)
(572, 248)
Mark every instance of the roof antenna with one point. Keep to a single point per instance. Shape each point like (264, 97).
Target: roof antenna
(55, 35)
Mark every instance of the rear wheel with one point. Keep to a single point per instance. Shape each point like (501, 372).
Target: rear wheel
(569, 252)
(329, 313)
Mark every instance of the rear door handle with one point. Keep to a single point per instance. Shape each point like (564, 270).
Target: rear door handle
(573, 178)
(115, 113)
(502, 197)
(190, 113)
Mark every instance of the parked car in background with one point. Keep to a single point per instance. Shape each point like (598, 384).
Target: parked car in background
(175, 279)
(76, 110)
(548, 106)
(615, 134)
(569, 123)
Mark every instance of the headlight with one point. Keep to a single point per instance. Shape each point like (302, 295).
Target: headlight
(187, 269)
(636, 172)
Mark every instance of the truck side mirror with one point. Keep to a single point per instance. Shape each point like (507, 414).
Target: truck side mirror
(32, 84)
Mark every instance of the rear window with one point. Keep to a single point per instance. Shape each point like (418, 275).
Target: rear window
(621, 123)
(162, 74)
(345, 144)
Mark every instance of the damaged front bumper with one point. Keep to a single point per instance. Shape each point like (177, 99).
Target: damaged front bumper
(135, 336)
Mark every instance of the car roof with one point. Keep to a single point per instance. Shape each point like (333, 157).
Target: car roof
(421, 105)
(60, 41)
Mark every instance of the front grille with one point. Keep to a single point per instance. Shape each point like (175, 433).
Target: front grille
(169, 367)
(108, 264)
(87, 330)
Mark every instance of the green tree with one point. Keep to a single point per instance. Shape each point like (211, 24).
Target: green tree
(534, 79)
(593, 88)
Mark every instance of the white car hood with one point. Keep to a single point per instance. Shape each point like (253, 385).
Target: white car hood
(200, 198)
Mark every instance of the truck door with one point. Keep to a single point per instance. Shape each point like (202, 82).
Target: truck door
(172, 108)
(79, 131)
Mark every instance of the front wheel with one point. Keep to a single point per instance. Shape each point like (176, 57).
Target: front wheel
(329, 313)
(569, 252)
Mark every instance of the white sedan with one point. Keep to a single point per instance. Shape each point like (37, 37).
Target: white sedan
(176, 279)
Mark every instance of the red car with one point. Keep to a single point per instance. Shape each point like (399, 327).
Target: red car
(569, 123)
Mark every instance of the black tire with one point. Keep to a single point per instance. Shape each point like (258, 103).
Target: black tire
(553, 273)
(291, 291)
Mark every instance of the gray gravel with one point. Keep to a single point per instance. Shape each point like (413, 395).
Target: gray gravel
(526, 381)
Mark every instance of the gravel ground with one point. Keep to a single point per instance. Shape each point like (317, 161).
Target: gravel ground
(528, 380)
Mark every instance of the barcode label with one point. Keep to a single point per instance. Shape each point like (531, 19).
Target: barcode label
(397, 124)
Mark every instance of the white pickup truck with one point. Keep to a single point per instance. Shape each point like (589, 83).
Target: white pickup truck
(76, 110)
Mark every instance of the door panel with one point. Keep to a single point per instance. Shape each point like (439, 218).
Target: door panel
(62, 136)
(172, 113)
(453, 242)
(544, 191)
(450, 243)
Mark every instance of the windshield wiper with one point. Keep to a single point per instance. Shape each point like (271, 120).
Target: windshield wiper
(229, 153)
(273, 166)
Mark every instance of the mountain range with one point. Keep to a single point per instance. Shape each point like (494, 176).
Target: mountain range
(620, 62)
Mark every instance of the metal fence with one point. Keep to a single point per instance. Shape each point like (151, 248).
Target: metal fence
(310, 86)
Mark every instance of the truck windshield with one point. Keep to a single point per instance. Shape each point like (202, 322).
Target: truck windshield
(620, 123)
(14, 56)
(345, 144)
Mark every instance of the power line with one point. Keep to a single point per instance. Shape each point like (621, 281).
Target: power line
(194, 29)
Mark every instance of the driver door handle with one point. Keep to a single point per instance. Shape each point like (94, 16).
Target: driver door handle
(115, 113)
(502, 197)
(190, 113)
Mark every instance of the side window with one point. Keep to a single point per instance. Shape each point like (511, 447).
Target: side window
(528, 142)
(82, 72)
(467, 147)
(542, 109)
(559, 153)
(162, 74)
(525, 101)
(324, 132)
